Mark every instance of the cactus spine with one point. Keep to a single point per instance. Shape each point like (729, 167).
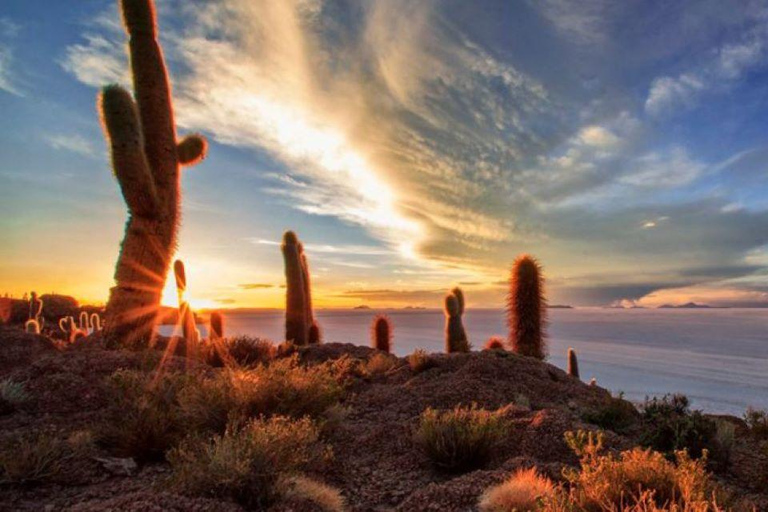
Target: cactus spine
(455, 335)
(298, 294)
(146, 159)
(573, 363)
(381, 333)
(526, 308)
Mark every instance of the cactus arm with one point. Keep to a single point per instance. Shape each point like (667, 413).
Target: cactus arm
(192, 149)
(122, 129)
(153, 95)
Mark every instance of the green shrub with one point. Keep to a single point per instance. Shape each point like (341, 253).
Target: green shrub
(757, 423)
(616, 415)
(44, 458)
(460, 439)
(246, 463)
(669, 426)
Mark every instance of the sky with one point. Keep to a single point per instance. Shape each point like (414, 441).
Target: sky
(413, 146)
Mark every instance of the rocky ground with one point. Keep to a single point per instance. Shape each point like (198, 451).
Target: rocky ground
(375, 464)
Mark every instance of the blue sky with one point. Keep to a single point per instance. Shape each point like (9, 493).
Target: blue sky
(412, 145)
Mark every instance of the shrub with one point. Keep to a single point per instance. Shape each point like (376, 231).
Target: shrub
(12, 394)
(305, 489)
(460, 439)
(244, 351)
(639, 480)
(380, 363)
(757, 423)
(669, 425)
(281, 388)
(246, 462)
(44, 458)
(616, 415)
(524, 491)
(144, 419)
(420, 361)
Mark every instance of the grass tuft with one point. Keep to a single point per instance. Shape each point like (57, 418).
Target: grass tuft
(524, 491)
(421, 361)
(461, 439)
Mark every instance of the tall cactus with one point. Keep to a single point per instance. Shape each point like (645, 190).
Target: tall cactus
(381, 333)
(526, 308)
(146, 159)
(298, 294)
(455, 335)
(573, 363)
(35, 308)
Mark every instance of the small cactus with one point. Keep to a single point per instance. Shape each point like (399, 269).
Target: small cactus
(95, 322)
(526, 308)
(146, 160)
(315, 336)
(32, 327)
(573, 363)
(381, 333)
(455, 335)
(180, 275)
(494, 343)
(298, 295)
(72, 333)
(35, 308)
(84, 322)
(216, 330)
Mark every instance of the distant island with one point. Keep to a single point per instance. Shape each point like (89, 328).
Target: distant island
(687, 305)
(560, 306)
(362, 306)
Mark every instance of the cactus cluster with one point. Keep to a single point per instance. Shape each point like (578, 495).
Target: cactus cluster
(72, 331)
(526, 308)
(455, 335)
(301, 328)
(146, 160)
(381, 333)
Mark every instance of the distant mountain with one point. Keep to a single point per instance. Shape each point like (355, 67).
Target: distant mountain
(560, 306)
(687, 305)
(362, 306)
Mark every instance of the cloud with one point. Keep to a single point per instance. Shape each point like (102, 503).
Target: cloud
(255, 286)
(74, 143)
(98, 62)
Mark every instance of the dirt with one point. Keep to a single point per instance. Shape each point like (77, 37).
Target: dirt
(376, 465)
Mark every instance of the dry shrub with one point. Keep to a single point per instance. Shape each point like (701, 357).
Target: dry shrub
(460, 439)
(144, 420)
(305, 489)
(640, 480)
(380, 363)
(420, 361)
(44, 458)
(246, 463)
(12, 395)
(243, 351)
(524, 491)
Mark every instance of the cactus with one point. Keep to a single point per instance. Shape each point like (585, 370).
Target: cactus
(315, 336)
(298, 300)
(455, 335)
(95, 322)
(494, 343)
(381, 333)
(36, 310)
(32, 326)
(68, 325)
(216, 330)
(180, 275)
(146, 159)
(526, 308)
(84, 322)
(573, 363)
(186, 314)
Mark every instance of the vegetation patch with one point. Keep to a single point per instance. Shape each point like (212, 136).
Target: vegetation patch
(44, 458)
(616, 415)
(246, 463)
(461, 439)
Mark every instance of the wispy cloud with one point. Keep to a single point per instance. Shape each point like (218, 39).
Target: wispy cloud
(74, 143)
(256, 286)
